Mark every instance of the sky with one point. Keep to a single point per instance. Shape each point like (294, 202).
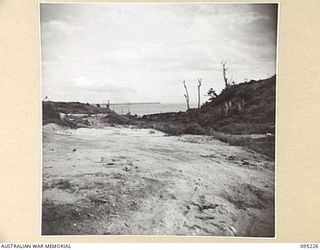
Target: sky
(143, 52)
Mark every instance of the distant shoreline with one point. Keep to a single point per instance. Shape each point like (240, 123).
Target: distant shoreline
(134, 103)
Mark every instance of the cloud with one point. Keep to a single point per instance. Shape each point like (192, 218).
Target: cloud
(92, 86)
(139, 51)
(62, 27)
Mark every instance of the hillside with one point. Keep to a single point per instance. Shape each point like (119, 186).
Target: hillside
(245, 108)
(241, 114)
(51, 112)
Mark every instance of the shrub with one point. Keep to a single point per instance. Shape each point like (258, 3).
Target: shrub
(171, 129)
(194, 129)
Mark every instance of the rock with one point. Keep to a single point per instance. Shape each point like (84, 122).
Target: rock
(245, 163)
(231, 158)
(233, 230)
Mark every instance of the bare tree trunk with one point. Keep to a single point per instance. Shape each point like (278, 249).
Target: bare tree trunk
(199, 85)
(224, 69)
(186, 95)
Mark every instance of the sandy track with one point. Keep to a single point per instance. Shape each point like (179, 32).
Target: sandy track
(118, 180)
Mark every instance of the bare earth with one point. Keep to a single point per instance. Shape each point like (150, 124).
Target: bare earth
(125, 180)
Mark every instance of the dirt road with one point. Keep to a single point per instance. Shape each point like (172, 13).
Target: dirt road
(122, 180)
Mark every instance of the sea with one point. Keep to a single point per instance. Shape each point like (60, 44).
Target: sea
(146, 109)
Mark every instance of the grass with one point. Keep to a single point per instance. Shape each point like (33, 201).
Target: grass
(260, 144)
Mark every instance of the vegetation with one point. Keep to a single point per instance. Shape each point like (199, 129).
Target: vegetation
(62, 113)
(239, 111)
(74, 107)
(245, 108)
(50, 114)
(234, 116)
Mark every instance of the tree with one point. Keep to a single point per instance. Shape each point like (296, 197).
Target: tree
(212, 94)
(199, 85)
(224, 70)
(186, 95)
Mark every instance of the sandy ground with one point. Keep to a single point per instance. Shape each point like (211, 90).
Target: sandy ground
(125, 180)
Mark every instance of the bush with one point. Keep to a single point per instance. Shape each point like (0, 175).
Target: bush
(118, 119)
(194, 129)
(49, 114)
(171, 129)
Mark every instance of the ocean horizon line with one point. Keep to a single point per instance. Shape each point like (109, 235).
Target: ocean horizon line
(135, 103)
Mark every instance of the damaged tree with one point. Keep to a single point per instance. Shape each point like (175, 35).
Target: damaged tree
(224, 69)
(186, 95)
(199, 85)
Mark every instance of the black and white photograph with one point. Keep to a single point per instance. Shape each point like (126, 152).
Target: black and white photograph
(158, 119)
